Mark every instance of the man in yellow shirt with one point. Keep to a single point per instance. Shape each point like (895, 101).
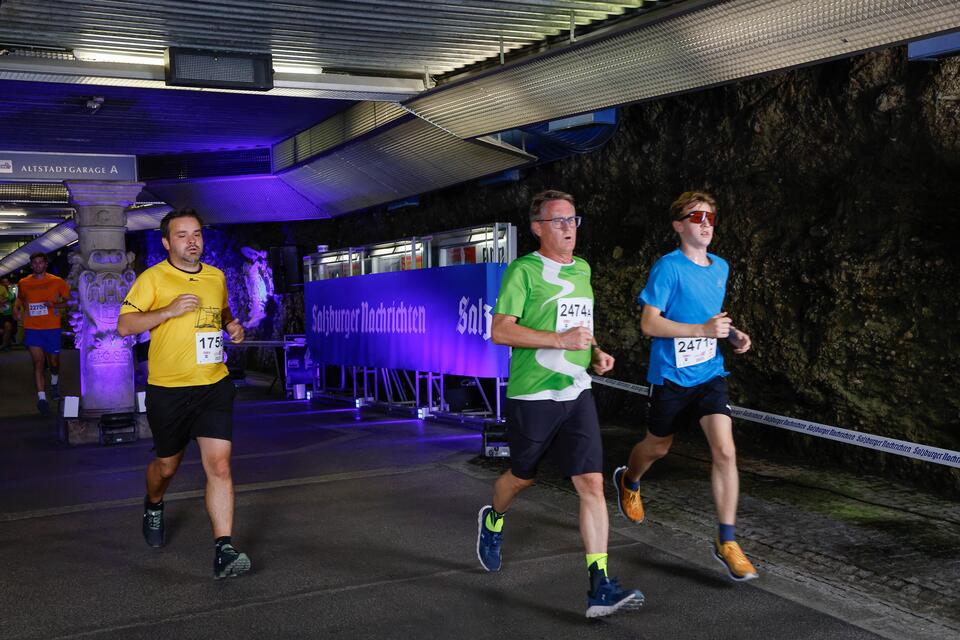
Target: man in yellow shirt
(183, 303)
(41, 297)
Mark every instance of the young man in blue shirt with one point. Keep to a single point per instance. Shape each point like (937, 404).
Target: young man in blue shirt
(682, 311)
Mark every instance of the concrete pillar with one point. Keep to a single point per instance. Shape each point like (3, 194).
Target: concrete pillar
(100, 276)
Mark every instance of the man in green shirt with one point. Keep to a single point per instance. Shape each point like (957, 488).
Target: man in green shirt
(545, 312)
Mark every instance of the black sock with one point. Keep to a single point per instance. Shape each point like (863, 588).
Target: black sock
(492, 519)
(153, 506)
(222, 540)
(596, 576)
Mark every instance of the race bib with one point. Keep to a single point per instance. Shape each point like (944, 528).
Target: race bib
(38, 309)
(691, 351)
(209, 347)
(574, 312)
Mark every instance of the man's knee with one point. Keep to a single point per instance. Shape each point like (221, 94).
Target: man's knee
(589, 485)
(166, 468)
(724, 454)
(516, 482)
(655, 447)
(218, 468)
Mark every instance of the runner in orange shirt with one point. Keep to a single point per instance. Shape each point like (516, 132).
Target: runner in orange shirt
(41, 299)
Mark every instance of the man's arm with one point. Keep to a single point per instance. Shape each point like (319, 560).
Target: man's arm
(654, 325)
(135, 322)
(232, 326)
(507, 332)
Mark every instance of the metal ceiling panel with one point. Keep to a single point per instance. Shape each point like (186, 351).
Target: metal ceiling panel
(238, 199)
(388, 37)
(356, 121)
(55, 117)
(709, 46)
(409, 158)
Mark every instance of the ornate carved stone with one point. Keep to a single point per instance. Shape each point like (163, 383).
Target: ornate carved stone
(100, 275)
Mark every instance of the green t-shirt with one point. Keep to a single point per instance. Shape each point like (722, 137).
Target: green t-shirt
(6, 301)
(547, 296)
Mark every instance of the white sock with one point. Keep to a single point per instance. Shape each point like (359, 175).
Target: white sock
(42, 395)
(54, 378)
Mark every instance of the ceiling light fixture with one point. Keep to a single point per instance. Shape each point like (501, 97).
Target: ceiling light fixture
(91, 55)
(310, 70)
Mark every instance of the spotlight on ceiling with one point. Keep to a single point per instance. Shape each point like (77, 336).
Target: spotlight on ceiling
(95, 103)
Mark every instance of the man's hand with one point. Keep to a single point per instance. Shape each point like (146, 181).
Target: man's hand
(718, 326)
(235, 331)
(576, 339)
(740, 341)
(183, 303)
(602, 361)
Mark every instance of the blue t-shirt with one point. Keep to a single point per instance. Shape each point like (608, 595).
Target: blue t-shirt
(684, 292)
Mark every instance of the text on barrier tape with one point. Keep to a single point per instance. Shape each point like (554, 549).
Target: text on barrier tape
(879, 443)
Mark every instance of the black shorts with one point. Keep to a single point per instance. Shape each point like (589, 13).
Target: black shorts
(571, 425)
(673, 407)
(178, 415)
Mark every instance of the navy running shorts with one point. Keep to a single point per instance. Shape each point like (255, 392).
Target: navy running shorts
(46, 339)
(178, 415)
(571, 426)
(673, 407)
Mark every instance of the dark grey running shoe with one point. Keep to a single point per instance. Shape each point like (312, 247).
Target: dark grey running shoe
(152, 524)
(229, 563)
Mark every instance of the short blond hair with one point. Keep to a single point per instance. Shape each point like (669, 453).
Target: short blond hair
(685, 198)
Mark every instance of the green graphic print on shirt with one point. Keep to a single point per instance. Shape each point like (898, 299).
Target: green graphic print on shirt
(547, 296)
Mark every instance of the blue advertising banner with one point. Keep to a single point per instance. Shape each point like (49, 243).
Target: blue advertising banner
(56, 167)
(426, 319)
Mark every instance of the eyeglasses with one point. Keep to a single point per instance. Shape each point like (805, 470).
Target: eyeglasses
(558, 223)
(696, 217)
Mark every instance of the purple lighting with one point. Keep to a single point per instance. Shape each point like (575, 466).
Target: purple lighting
(425, 320)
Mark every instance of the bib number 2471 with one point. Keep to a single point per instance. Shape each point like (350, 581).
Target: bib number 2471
(691, 351)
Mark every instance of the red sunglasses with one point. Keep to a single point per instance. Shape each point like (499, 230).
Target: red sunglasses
(696, 217)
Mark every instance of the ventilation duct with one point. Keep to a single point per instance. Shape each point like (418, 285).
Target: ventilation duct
(407, 159)
(706, 47)
(336, 130)
(65, 234)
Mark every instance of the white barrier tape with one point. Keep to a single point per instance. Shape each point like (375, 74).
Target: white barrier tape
(858, 438)
(619, 384)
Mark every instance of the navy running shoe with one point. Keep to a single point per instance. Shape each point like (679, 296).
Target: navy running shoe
(54, 391)
(488, 542)
(609, 597)
(229, 563)
(43, 407)
(153, 525)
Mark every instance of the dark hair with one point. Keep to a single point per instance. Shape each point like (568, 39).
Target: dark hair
(38, 254)
(173, 215)
(685, 198)
(544, 196)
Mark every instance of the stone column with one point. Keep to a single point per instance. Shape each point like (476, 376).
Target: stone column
(101, 275)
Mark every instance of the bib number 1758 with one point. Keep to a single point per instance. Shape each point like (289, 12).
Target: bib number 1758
(209, 347)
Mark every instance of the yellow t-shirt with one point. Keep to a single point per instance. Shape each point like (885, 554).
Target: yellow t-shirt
(187, 350)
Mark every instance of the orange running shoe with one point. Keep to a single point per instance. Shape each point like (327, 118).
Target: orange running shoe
(732, 557)
(631, 506)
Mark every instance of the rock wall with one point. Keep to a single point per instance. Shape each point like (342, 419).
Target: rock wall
(837, 189)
